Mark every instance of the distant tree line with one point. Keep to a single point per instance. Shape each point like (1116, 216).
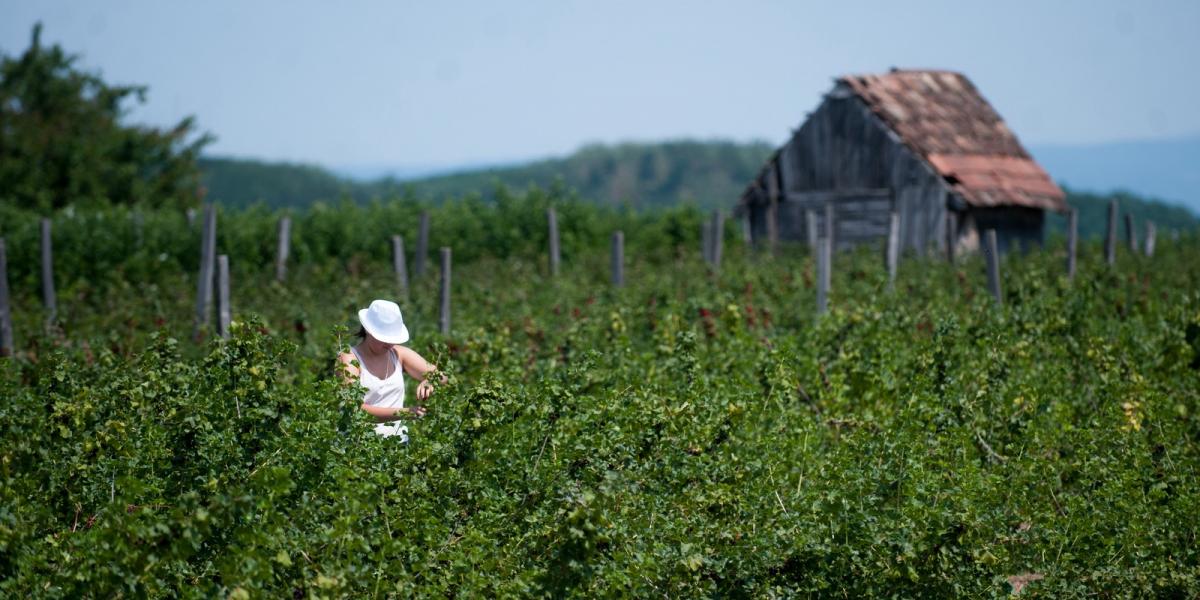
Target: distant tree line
(647, 176)
(1093, 212)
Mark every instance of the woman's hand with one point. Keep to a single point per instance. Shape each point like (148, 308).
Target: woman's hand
(416, 411)
(424, 390)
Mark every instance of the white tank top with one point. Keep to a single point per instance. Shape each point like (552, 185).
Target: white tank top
(386, 393)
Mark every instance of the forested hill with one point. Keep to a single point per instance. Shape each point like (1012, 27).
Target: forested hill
(240, 182)
(707, 174)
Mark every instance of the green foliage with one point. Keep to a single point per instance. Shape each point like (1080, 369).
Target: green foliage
(62, 141)
(98, 248)
(690, 435)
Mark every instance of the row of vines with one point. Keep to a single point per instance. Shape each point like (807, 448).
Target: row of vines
(691, 434)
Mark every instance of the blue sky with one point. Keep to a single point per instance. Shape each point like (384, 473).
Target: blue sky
(428, 85)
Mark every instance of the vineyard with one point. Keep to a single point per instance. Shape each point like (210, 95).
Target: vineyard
(691, 434)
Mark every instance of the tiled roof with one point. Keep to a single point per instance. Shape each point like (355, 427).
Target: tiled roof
(943, 118)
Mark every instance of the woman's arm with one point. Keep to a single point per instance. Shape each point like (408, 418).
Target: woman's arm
(385, 414)
(418, 368)
(350, 374)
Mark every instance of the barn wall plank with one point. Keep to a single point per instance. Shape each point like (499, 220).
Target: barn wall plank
(842, 151)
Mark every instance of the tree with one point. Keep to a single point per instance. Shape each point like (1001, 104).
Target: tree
(62, 141)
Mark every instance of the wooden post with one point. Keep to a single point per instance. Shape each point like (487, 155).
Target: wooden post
(204, 287)
(618, 259)
(773, 192)
(1072, 241)
(422, 245)
(810, 224)
(1150, 234)
(224, 313)
(1130, 234)
(773, 227)
(283, 248)
(1110, 240)
(49, 298)
(552, 223)
(824, 267)
(718, 239)
(829, 226)
(444, 313)
(893, 247)
(992, 256)
(6, 332)
(400, 265)
(951, 235)
(706, 241)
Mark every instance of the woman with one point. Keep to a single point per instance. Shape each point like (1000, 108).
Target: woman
(378, 362)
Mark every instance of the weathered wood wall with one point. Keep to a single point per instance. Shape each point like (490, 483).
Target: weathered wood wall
(844, 153)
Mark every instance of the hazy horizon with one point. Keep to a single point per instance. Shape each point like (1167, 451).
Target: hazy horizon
(435, 87)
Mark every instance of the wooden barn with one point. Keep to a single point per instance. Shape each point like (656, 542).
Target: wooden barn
(922, 143)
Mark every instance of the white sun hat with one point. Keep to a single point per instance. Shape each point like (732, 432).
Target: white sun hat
(383, 321)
